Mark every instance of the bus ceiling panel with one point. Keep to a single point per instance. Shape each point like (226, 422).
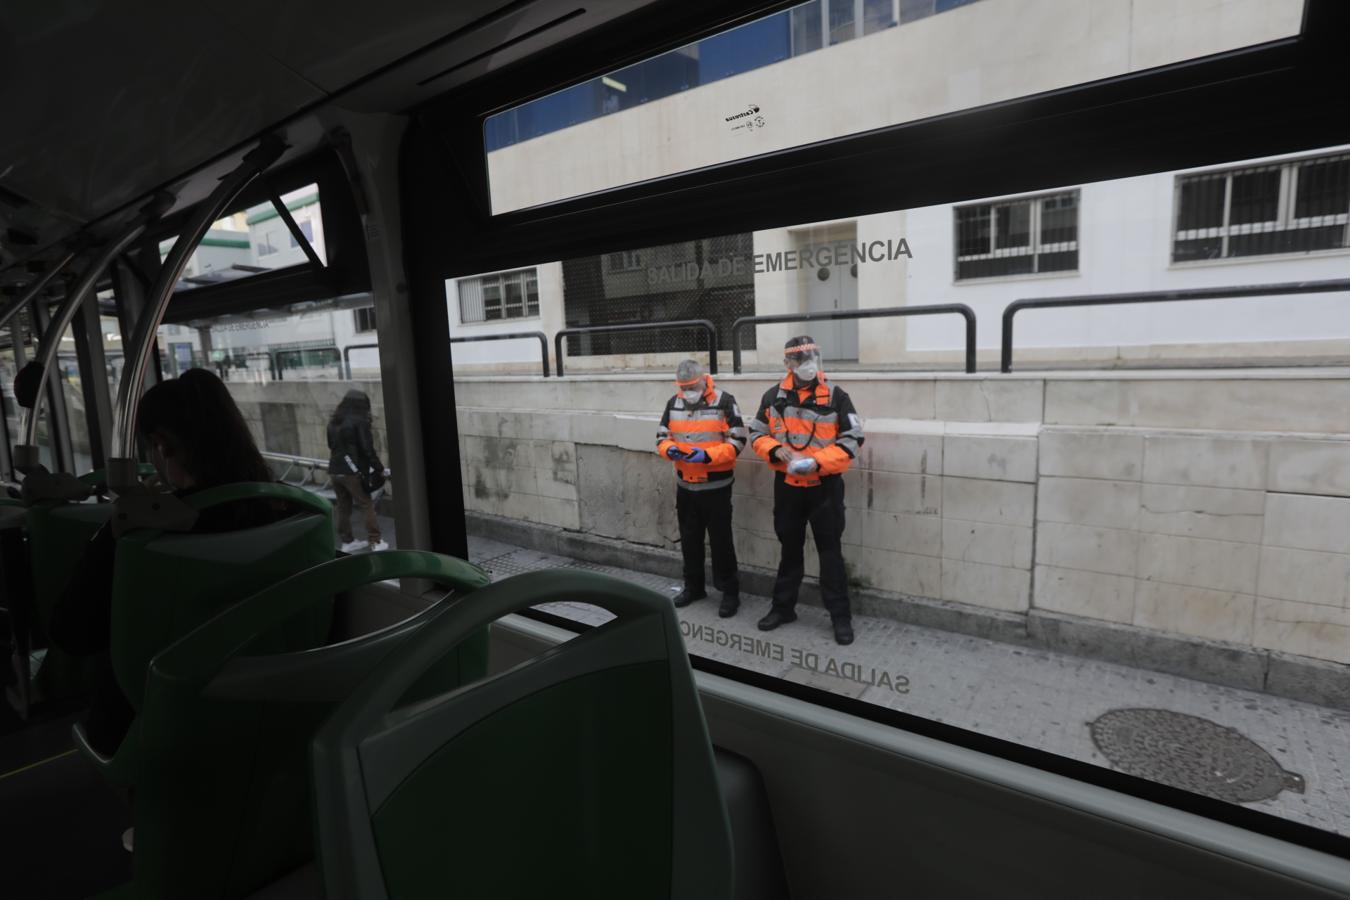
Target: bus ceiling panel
(500, 35)
(116, 99)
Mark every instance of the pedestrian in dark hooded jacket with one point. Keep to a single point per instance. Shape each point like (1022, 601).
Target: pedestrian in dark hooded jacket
(351, 463)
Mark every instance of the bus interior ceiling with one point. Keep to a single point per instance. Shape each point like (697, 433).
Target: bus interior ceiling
(1014, 540)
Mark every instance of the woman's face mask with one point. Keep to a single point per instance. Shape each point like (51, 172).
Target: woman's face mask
(807, 370)
(692, 395)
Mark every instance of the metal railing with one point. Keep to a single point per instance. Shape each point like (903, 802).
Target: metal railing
(310, 463)
(936, 309)
(347, 356)
(1218, 293)
(704, 324)
(514, 335)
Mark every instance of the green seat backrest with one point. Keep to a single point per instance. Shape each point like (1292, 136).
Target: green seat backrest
(165, 584)
(585, 772)
(57, 536)
(222, 806)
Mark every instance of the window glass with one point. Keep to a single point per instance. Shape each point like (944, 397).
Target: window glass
(255, 240)
(289, 368)
(8, 369)
(507, 295)
(1298, 206)
(829, 68)
(1017, 237)
(1140, 509)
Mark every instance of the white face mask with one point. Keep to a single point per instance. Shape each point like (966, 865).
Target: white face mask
(692, 396)
(806, 371)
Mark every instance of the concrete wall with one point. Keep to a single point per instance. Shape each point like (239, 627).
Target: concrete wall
(1210, 506)
(292, 416)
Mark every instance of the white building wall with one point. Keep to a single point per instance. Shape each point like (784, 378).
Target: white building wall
(522, 354)
(984, 53)
(1125, 245)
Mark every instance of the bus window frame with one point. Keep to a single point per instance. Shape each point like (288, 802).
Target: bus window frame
(347, 270)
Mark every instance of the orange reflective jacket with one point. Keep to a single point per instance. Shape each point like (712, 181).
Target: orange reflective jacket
(817, 421)
(713, 425)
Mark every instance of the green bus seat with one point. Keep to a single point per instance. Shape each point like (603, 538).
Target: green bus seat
(222, 802)
(584, 772)
(166, 584)
(57, 536)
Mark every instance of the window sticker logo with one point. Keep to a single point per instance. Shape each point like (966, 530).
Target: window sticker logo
(747, 120)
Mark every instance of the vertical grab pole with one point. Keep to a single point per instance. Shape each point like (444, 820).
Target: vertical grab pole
(26, 456)
(121, 464)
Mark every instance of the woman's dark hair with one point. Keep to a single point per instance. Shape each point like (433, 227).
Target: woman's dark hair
(197, 413)
(354, 403)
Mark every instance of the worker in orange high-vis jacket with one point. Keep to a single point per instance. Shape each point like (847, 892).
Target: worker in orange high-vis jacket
(702, 432)
(808, 432)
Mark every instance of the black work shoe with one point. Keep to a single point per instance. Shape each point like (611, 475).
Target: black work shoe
(843, 631)
(775, 618)
(686, 596)
(730, 603)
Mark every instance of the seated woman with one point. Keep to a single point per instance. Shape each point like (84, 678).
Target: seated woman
(197, 439)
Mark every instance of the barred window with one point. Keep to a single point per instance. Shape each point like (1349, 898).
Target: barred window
(1294, 207)
(507, 295)
(625, 261)
(364, 319)
(1017, 237)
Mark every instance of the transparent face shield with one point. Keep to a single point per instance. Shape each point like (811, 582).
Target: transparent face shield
(803, 361)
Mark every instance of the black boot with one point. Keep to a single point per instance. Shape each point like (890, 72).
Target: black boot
(686, 596)
(775, 618)
(843, 630)
(730, 603)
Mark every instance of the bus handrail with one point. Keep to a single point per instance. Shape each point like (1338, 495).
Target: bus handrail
(513, 335)
(1212, 293)
(705, 324)
(933, 309)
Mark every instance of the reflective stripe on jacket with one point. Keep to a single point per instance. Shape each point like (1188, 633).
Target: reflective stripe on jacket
(817, 421)
(714, 425)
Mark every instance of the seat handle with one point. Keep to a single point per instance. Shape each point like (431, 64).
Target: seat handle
(196, 657)
(627, 601)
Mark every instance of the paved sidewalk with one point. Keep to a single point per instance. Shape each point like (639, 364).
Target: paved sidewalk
(1034, 697)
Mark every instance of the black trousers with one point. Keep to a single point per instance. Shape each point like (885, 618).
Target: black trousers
(823, 507)
(709, 511)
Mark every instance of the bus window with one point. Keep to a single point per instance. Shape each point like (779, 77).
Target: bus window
(290, 370)
(830, 68)
(998, 538)
(255, 240)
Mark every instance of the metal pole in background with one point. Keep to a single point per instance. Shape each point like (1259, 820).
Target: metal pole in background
(26, 454)
(37, 287)
(58, 430)
(88, 331)
(121, 464)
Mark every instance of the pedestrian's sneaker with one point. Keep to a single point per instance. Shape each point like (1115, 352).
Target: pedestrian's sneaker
(843, 630)
(686, 596)
(730, 603)
(353, 546)
(775, 618)
(379, 545)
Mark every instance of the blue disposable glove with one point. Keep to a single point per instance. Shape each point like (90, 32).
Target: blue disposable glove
(698, 455)
(802, 465)
(673, 452)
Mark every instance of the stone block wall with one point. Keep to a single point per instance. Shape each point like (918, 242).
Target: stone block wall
(1146, 501)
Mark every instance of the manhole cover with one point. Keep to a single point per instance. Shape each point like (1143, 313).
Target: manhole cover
(1191, 753)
